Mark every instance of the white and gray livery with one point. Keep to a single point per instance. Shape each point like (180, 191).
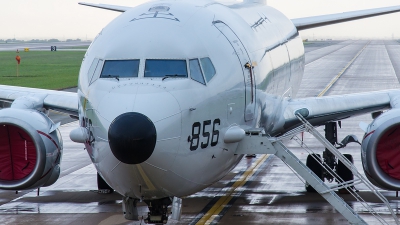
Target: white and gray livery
(168, 90)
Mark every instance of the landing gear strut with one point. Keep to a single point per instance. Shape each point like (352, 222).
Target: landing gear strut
(130, 209)
(329, 159)
(158, 210)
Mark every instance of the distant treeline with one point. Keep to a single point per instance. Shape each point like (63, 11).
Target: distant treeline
(36, 40)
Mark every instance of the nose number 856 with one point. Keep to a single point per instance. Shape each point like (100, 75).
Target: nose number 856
(196, 130)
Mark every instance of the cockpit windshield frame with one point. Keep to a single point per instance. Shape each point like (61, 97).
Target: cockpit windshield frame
(120, 68)
(192, 68)
(166, 68)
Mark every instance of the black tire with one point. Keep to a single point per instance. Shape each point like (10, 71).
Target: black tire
(102, 186)
(316, 167)
(344, 173)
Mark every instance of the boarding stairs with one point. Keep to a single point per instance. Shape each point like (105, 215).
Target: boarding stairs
(259, 143)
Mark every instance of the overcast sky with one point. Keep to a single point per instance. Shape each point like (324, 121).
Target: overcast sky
(63, 19)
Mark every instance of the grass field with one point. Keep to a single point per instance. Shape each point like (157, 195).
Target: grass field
(41, 69)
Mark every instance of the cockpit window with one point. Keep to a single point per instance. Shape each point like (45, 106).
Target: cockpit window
(120, 68)
(92, 69)
(208, 68)
(195, 71)
(165, 68)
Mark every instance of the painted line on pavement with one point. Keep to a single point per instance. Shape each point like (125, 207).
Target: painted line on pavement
(323, 92)
(222, 202)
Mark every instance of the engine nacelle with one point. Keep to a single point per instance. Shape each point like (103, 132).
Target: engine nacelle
(380, 151)
(30, 149)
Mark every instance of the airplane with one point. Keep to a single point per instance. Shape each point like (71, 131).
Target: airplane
(167, 91)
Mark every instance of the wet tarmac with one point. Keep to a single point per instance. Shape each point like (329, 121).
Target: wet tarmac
(261, 190)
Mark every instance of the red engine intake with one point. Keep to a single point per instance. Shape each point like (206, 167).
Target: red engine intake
(30, 149)
(381, 151)
(17, 153)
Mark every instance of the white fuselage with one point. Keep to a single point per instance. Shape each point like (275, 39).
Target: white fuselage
(191, 118)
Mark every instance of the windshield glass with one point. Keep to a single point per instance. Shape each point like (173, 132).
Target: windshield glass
(165, 68)
(208, 68)
(120, 68)
(195, 71)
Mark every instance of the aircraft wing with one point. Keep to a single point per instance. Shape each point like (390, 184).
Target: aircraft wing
(108, 7)
(319, 110)
(57, 100)
(318, 21)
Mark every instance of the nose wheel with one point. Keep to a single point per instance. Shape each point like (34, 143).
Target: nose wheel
(103, 187)
(158, 211)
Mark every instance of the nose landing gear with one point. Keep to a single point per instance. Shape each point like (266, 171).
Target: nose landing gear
(158, 211)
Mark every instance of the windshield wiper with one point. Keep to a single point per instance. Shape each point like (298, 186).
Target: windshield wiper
(172, 75)
(111, 76)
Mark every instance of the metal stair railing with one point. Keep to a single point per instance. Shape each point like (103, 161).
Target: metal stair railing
(348, 185)
(257, 143)
(337, 202)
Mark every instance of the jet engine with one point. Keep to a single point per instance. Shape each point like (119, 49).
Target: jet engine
(30, 149)
(380, 151)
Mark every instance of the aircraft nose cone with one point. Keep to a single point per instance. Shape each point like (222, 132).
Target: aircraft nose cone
(132, 137)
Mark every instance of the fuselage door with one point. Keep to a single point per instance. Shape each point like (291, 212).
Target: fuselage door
(245, 64)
